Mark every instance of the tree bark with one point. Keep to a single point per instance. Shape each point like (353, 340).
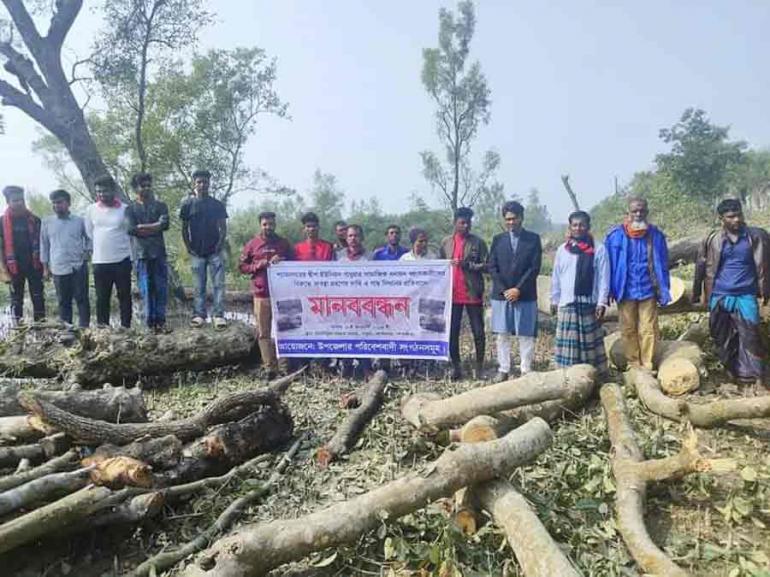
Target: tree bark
(632, 474)
(18, 428)
(111, 404)
(428, 412)
(62, 462)
(10, 388)
(92, 358)
(158, 452)
(42, 489)
(535, 550)
(706, 415)
(256, 549)
(44, 449)
(353, 425)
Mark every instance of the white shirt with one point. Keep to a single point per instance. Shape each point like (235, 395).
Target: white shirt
(563, 276)
(430, 255)
(107, 227)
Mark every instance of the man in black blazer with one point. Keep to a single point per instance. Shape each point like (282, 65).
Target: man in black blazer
(514, 263)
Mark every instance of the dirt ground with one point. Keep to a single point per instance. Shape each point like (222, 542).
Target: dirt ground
(716, 526)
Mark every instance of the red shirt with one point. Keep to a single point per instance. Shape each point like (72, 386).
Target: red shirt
(255, 259)
(460, 294)
(312, 251)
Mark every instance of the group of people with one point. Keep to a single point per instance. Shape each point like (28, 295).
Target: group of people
(630, 268)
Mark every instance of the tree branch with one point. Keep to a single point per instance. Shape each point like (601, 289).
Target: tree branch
(61, 22)
(25, 25)
(23, 68)
(12, 96)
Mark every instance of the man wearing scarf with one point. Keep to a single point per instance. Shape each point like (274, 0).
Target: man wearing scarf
(639, 281)
(514, 263)
(730, 273)
(20, 254)
(579, 292)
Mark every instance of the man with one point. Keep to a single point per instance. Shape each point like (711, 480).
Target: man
(580, 286)
(263, 251)
(341, 234)
(731, 271)
(467, 254)
(204, 230)
(514, 263)
(64, 251)
(418, 237)
(354, 249)
(312, 248)
(639, 281)
(392, 249)
(107, 227)
(20, 254)
(147, 221)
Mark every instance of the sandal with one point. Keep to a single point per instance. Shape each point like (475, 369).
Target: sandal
(197, 322)
(220, 324)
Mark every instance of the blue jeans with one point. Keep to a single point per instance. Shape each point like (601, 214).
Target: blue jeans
(213, 264)
(152, 278)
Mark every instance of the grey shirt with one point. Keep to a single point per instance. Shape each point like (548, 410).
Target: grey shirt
(63, 243)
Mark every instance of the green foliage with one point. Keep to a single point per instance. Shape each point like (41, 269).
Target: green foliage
(326, 198)
(536, 217)
(701, 157)
(461, 95)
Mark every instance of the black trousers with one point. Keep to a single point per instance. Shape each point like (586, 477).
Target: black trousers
(476, 318)
(34, 278)
(73, 286)
(105, 276)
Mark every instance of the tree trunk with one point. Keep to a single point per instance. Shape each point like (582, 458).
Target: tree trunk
(44, 449)
(351, 428)
(19, 428)
(60, 463)
(42, 489)
(10, 389)
(111, 404)
(256, 549)
(158, 452)
(428, 412)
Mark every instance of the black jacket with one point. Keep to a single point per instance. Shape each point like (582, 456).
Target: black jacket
(519, 270)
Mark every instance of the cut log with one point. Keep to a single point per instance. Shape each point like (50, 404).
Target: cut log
(17, 429)
(224, 409)
(427, 412)
(61, 463)
(632, 474)
(535, 550)
(353, 425)
(265, 430)
(706, 415)
(131, 511)
(10, 388)
(683, 251)
(44, 449)
(159, 453)
(93, 357)
(111, 404)
(42, 489)
(121, 471)
(256, 549)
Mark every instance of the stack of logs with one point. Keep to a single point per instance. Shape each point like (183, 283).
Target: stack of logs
(82, 459)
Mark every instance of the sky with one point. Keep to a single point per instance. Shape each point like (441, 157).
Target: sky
(579, 88)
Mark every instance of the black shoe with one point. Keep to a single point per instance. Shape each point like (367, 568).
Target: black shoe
(457, 373)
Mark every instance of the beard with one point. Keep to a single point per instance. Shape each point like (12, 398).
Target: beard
(634, 225)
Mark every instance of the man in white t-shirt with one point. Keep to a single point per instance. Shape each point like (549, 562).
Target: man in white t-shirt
(107, 227)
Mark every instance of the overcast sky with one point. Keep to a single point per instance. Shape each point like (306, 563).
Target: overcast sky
(579, 87)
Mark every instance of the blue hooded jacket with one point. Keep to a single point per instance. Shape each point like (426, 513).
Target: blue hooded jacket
(629, 272)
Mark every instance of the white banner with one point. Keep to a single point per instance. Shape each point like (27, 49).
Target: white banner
(399, 310)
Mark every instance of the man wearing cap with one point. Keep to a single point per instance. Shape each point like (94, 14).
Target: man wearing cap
(20, 254)
(204, 230)
(64, 251)
(107, 227)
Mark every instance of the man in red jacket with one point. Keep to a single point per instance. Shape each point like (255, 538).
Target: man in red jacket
(262, 251)
(313, 248)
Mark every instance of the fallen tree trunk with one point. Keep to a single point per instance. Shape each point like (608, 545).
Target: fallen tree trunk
(706, 415)
(111, 404)
(18, 428)
(158, 452)
(60, 463)
(44, 449)
(256, 549)
(533, 546)
(224, 409)
(42, 489)
(680, 363)
(430, 412)
(632, 474)
(99, 356)
(10, 388)
(351, 428)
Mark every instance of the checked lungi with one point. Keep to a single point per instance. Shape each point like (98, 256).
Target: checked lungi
(579, 336)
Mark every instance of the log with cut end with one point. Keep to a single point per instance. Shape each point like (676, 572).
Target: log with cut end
(428, 412)
(632, 474)
(42, 489)
(61, 463)
(158, 452)
(256, 549)
(680, 363)
(112, 404)
(10, 389)
(535, 550)
(18, 428)
(83, 429)
(97, 356)
(706, 415)
(370, 401)
(45, 448)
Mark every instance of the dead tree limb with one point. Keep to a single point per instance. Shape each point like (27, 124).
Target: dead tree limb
(256, 549)
(535, 549)
(158, 452)
(42, 489)
(353, 425)
(570, 192)
(163, 561)
(62, 462)
(429, 412)
(111, 404)
(632, 473)
(10, 388)
(18, 428)
(83, 429)
(706, 415)
(44, 449)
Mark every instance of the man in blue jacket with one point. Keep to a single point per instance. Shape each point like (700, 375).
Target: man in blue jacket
(639, 281)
